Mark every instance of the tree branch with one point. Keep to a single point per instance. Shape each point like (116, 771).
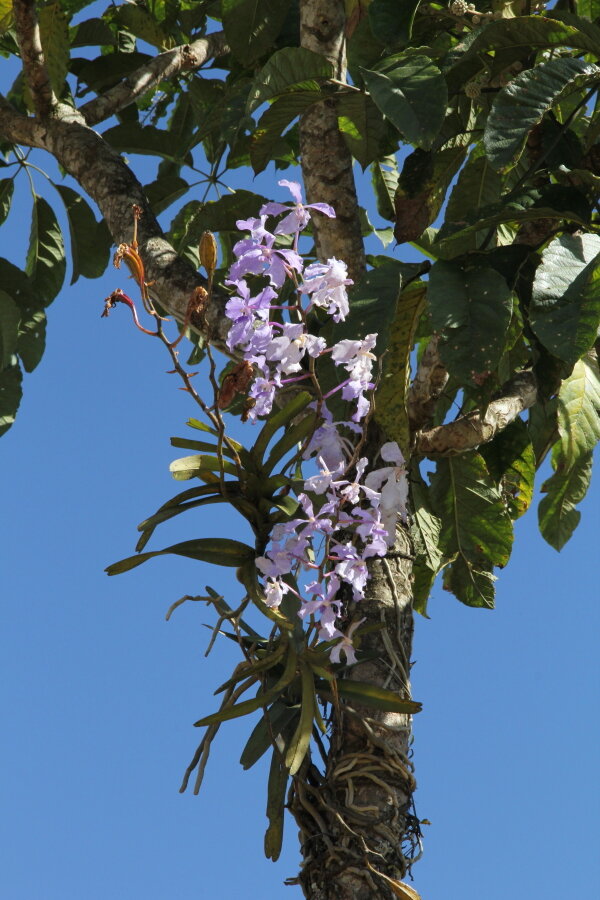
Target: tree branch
(161, 68)
(109, 181)
(326, 160)
(32, 55)
(476, 428)
(428, 384)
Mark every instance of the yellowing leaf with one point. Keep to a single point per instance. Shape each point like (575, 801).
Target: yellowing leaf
(398, 888)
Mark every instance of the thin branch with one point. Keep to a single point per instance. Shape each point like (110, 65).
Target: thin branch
(477, 428)
(163, 67)
(32, 54)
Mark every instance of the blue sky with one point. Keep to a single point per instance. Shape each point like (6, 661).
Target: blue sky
(100, 693)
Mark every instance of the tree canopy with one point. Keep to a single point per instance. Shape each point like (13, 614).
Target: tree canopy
(477, 130)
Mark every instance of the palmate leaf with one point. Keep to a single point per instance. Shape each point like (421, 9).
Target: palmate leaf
(362, 126)
(219, 551)
(557, 515)
(32, 326)
(525, 100)
(251, 26)
(471, 308)
(384, 178)
(90, 240)
(10, 317)
(274, 122)
(565, 306)
(54, 34)
(476, 529)
(289, 67)
(46, 263)
(390, 397)
(579, 410)
(411, 92)
(10, 395)
(511, 462)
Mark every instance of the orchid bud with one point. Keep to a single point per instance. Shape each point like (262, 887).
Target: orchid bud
(208, 252)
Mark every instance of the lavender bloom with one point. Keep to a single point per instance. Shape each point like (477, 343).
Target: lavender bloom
(298, 218)
(345, 645)
(327, 284)
(351, 568)
(392, 482)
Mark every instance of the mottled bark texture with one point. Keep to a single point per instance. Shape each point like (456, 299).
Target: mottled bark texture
(108, 180)
(326, 160)
(355, 818)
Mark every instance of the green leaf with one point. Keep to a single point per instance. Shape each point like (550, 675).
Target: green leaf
(278, 779)
(279, 419)
(7, 186)
(92, 32)
(472, 308)
(89, 251)
(54, 34)
(131, 137)
(366, 694)
(524, 102)
(412, 95)
(478, 185)
(195, 466)
(422, 186)
(251, 26)
(565, 306)
(390, 397)
(219, 551)
(10, 395)
(6, 15)
(143, 25)
(32, 338)
(286, 68)
(362, 126)
(272, 723)
(476, 527)
(557, 515)
(262, 699)
(165, 191)
(579, 410)
(46, 263)
(384, 179)
(216, 215)
(392, 22)
(10, 317)
(293, 436)
(511, 462)
(300, 742)
(274, 121)
(426, 526)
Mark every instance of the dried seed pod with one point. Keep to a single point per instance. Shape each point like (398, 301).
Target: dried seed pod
(208, 252)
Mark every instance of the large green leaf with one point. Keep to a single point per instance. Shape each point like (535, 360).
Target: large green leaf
(131, 137)
(476, 529)
(525, 100)
(219, 551)
(251, 26)
(557, 515)
(10, 316)
(268, 727)
(579, 410)
(510, 459)
(90, 241)
(286, 68)
(193, 466)
(384, 178)
(472, 308)
(140, 22)
(412, 94)
(54, 34)
(392, 22)
(10, 395)
(165, 191)
(565, 306)
(46, 263)
(362, 126)
(281, 418)
(32, 338)
(478, 185)
(7, 186)
(274, 122)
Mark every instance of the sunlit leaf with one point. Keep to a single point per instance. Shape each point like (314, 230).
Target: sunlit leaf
(558, 517)
(54, 34)
(366, 694)
(300, 741)
(7, 186)
(46, 263)
(510, 459)
(579, 410)
(362, 126)
(384, 178)
(289, 67)
(219, 551)
(565, 306)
